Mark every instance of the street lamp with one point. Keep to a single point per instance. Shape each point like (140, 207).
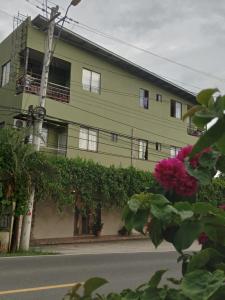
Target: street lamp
(75, 2)
(72, 3)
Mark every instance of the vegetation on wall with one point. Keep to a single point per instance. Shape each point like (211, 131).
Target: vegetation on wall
(91, 183)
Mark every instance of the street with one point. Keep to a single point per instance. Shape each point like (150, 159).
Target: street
(51, 272)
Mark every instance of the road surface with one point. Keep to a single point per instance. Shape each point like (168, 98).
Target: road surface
(55, 273)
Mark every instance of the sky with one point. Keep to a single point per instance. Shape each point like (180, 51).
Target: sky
(189, 32)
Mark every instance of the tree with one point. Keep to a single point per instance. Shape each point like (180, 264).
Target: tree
(20, 167)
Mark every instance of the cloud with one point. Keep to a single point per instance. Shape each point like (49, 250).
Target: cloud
(189, 31)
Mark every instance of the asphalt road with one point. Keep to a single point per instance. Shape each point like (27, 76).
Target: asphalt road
(121, 270)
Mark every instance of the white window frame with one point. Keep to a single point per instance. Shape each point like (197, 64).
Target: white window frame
(88, 139)
(91, 86)
(174, 151)
(5, 73)
(178, 109)
(143, 101)
(142, 148)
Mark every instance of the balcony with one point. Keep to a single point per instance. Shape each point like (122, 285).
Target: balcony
(30, 83)
(194, 131)
(29, 78)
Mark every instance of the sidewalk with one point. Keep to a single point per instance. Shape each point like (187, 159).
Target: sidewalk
(111, 247)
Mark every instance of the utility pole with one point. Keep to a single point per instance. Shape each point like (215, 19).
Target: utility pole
(39, 114)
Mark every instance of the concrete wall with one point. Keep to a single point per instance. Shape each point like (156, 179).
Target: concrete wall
(50, 223)
(112, 219)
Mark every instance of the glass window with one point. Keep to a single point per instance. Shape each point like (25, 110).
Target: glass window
(86, 80)
(5, 73)
(114, 137)
(143, 150)
(158, 146)
(95, 82)
(91, 81)
(83, 138)
(144, 98)
(158, 98)
(175, 109)
(174, 151)
(92, 140)
(88, 139)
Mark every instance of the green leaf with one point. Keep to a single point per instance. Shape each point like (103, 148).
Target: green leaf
(219, 294)
(140, 219)
(156, 233)
(205, 95)
(93, 284)
(153, 294)
(156, 278)
(214, 227)
(220, 105)
(201, 285)
(221, 144)
(204, 257)
(208, 159)
(211, 136)
(220, 165)
(192, 111)
(201, 121)
(203, 208)
(187, 234)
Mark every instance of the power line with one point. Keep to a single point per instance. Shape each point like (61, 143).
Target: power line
(96, 31)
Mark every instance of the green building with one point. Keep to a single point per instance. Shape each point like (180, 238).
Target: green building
(99, 106)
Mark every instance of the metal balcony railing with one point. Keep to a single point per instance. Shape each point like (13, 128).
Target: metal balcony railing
(194, 131)
(30, 83)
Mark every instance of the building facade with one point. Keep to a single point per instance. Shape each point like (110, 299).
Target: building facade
(99, 106)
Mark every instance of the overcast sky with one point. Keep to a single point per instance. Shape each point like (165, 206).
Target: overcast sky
(192, 32)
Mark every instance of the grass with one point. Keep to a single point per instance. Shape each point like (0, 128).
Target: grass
(27, 253)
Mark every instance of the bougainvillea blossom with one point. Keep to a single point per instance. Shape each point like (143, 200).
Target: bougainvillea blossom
(172, 175)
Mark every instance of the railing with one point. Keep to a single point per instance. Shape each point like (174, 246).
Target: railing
(30, 83)
(194, 131)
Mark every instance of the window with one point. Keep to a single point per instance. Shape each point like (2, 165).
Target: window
(91, 81)
(175, 109)
(143, 149)
(158, 146)
(5, 73)
(174, 151)
(114, 137)
(158, 98)
(88, 139)
(144, 98)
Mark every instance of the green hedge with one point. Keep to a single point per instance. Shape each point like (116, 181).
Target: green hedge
(91, 182)
(213, 193)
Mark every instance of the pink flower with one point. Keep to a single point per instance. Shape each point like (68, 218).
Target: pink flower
(203, 238)
(172, 175)
(222, 206)
(184, 152)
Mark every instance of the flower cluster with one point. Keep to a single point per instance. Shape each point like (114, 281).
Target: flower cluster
(172, 175)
